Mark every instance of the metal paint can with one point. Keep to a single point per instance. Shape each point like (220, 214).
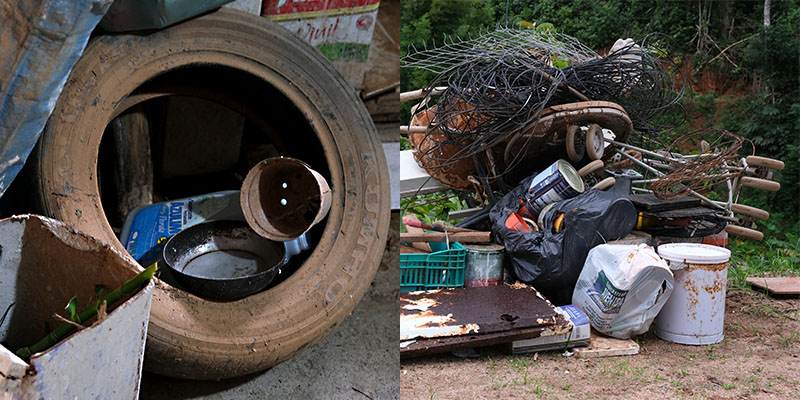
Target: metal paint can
(484, 265)
(695, 312)
(559, 181)
(543, 214)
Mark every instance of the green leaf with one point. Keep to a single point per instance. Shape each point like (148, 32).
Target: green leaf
(560, 63)
(546, 27)
(527, 24)
(72, 308)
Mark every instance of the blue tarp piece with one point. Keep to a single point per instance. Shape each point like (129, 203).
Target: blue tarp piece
(40, 41)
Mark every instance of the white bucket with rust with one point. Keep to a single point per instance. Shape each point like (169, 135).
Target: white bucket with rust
(695, 313)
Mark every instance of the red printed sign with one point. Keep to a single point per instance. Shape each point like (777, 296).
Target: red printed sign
(302, 8)
(325, 22)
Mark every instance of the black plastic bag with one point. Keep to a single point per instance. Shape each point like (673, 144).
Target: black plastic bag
(551, 261)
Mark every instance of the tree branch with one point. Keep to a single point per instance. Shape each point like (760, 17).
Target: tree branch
(726, 49)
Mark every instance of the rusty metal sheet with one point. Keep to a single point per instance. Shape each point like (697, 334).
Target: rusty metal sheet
(476, 311)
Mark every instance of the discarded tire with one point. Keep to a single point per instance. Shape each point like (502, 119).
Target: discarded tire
(190, 337)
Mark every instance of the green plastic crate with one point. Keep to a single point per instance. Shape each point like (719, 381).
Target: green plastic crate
(441, 269)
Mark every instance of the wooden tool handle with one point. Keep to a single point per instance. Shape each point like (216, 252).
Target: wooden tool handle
(419, 93)
(763, 184)
(756, 161)
(605, 183)
(744, 232)
(750, 211)
(590, 167)
(413, 129)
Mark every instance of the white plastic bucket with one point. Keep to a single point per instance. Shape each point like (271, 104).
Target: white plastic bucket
(695, 313)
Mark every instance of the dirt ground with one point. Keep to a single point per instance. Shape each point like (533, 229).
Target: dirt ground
(758, 359)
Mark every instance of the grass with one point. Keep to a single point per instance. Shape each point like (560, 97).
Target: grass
(776, 256)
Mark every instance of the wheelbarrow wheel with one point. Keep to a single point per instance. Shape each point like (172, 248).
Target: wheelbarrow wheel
(576, 143)
(595, 142)
(190, 337)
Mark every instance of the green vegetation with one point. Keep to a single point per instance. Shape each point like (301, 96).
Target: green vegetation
(743, 77)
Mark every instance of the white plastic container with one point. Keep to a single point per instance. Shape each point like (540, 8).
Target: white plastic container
(622, 288)
(695, 313)
(148, 227)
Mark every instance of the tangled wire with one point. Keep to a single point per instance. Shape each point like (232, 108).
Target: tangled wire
(718, 163)
(501, 82)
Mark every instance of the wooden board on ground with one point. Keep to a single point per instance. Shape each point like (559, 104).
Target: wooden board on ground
(605, 346)
(788, 286)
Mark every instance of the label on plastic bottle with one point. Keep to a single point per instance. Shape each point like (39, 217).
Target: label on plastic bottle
(148, 228)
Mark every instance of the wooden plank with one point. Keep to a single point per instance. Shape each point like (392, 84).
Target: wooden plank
(779, 286)
(420, 245)
(463, 237)
(605, 346)
(415, 180)
(410, 250)
(133, 165)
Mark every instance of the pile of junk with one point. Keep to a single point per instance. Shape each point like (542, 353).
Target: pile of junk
(188, 232)
(589, 209)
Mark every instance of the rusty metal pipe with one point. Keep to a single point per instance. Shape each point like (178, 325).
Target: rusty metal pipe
(282, 198)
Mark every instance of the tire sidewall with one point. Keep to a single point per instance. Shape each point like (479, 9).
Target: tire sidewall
(190, 337)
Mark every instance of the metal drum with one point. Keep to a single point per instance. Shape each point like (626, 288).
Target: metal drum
(484, 265)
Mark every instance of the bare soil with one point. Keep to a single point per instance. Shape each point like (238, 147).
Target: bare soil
(758, 359)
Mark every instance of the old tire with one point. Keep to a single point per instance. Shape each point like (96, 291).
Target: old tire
(190, 337)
